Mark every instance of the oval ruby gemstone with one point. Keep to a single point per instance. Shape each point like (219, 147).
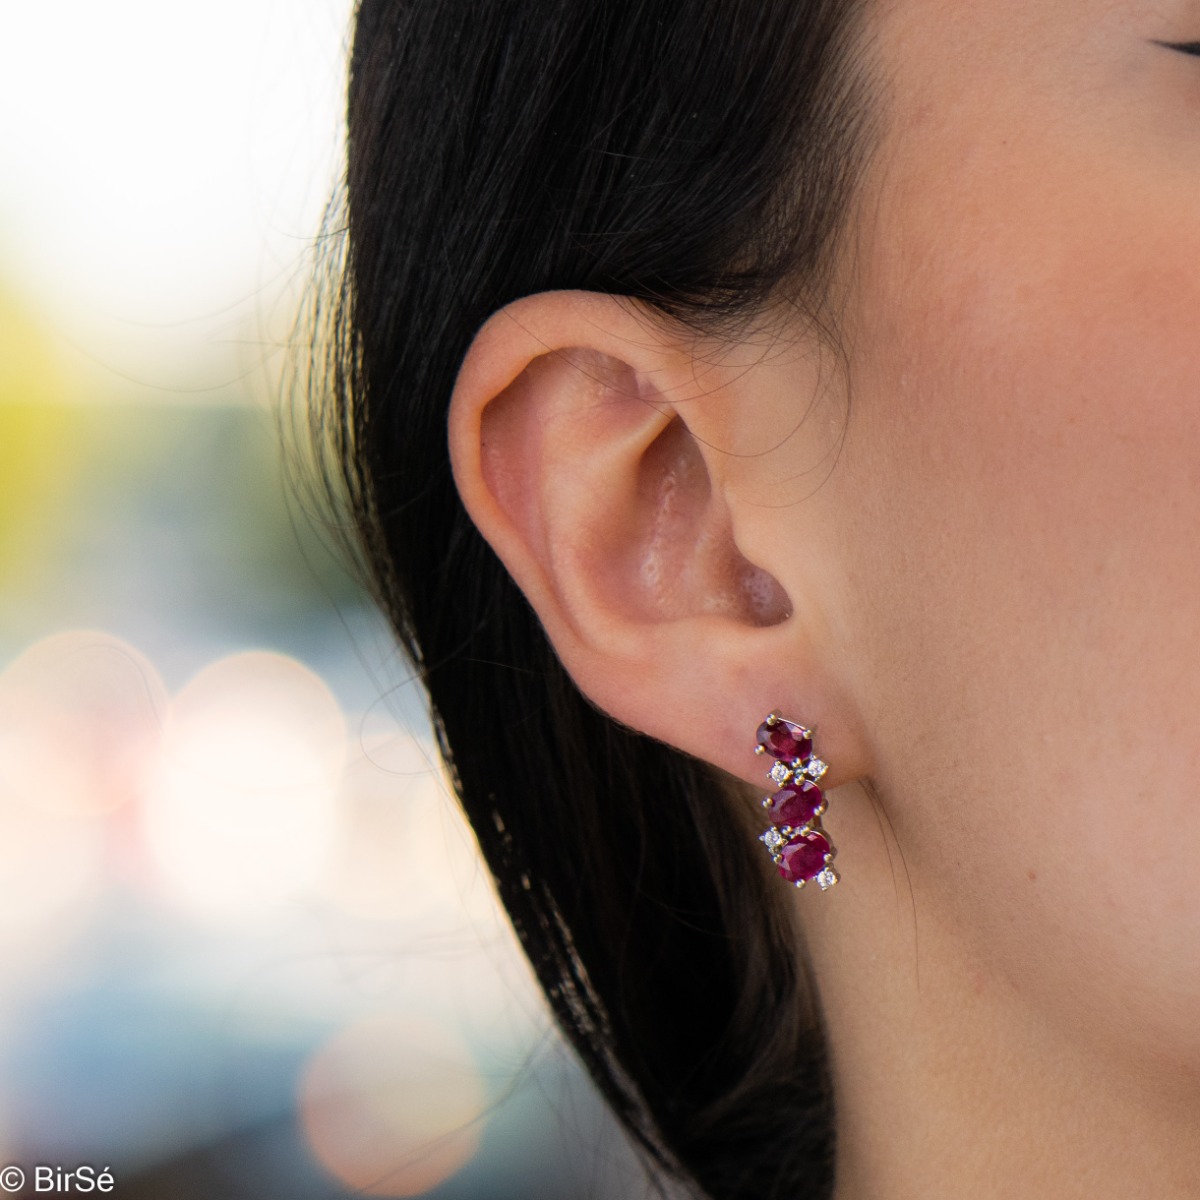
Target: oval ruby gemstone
(803, 857)
(784, 740)
(795, 804)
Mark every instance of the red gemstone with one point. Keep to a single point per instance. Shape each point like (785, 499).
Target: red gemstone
(803, 857)
(795, 804)
(784, 740)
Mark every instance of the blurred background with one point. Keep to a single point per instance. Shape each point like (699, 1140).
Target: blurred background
(246, 947)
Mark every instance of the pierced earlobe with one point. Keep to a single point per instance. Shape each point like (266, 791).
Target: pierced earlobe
(796, 840)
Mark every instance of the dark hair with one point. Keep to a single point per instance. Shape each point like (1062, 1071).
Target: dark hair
(698, 156)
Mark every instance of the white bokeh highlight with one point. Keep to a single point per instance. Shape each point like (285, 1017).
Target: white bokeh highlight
(241, 810)
(165, 165)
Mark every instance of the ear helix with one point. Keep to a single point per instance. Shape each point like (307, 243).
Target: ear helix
(796, 840)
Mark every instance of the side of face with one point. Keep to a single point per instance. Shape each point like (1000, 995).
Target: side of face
(1011, 537)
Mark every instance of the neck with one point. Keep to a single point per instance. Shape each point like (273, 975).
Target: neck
(951, 1080)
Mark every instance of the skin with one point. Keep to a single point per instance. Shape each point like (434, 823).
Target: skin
(972, 562)
(1026, 377)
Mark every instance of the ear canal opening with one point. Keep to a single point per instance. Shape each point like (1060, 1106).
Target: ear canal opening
(689, 560)
(766, 601)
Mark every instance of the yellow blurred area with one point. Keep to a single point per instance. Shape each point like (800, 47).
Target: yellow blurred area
(39, 448)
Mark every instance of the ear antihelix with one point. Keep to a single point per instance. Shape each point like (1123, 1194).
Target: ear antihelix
(690, 562)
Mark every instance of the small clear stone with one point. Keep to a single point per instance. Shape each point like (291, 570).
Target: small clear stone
(772, 839)
(827, 878)
(815, 768)
(781, 773)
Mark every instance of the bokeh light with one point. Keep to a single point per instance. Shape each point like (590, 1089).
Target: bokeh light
(80, 714)
(162, 162)
(394, 833)
(240, 811)
(80, 717)
(49, 870)
(393, 1105)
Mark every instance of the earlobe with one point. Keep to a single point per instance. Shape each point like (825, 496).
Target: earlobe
(583, 440)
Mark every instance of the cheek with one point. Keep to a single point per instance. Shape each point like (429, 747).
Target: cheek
(1018, 506)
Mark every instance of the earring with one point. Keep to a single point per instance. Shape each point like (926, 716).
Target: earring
(797, 843)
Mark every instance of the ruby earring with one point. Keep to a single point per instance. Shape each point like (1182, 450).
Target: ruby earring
(797, 843)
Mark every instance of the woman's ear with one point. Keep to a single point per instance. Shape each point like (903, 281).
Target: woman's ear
(586, 440)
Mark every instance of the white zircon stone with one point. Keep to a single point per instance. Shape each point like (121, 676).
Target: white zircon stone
(815, 768)
(781, 773)
(827, 878)
(772, 839)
